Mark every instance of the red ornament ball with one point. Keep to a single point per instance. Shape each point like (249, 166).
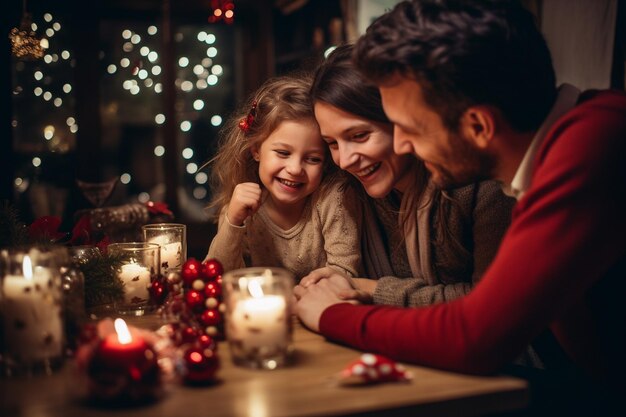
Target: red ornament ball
(212, 269)
(195, 300)
(206, 342)
(187, 334)
(158, 291)
(213, 290)
(191, 271)
(201, 364)
(211, 317)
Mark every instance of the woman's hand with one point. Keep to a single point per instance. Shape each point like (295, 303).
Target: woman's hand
(245, 201)
(358, 289)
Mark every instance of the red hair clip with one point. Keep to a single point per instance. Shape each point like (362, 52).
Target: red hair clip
(246, 122)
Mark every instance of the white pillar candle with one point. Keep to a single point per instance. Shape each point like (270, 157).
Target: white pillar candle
(33, 327)
(261, 323)
(171, 253)
(136, 279)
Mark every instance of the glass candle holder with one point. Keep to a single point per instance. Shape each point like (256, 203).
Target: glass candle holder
(172, 239)
(31, 310)
(140, 268)
(258, 316)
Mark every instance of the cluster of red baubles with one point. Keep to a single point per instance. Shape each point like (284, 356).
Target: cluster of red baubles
(195, 308)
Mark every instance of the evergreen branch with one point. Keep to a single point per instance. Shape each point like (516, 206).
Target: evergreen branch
(102, 284)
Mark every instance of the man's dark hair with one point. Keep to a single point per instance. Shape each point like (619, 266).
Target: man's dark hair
(463, 53)
(338, 83)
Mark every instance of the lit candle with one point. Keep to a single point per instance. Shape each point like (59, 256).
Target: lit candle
(259, 324)
(171, 252)
(32, 315)
(136, 279)
(124, 367)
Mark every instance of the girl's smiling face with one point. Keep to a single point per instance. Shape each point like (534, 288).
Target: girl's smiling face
(291, 162)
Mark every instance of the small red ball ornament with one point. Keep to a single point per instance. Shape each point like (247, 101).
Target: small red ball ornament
(212, 290)
(210, 317)
(201, 364)
(195, 300)
(158, 292)
(206, 342)
(191, 271)
(212, 269)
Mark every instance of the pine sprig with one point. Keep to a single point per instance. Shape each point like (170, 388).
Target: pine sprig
(12, 231)
(102, 284)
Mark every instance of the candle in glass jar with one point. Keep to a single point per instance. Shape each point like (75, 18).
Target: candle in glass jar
(261, 322)
(136, 279)
(171, 252)
(32, 314)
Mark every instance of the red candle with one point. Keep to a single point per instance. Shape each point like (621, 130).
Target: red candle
(124, 368)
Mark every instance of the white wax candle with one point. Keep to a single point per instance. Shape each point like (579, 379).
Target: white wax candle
(136, 279)
(171, 253)
(33, 326)
(261, 322)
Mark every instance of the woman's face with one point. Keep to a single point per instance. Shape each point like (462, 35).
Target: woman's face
(363, 148)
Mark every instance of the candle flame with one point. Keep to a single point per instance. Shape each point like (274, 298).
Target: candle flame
(123, 335)
(27, 268)
(255, 289)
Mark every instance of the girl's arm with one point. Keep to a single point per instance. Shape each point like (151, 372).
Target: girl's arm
(227, 245)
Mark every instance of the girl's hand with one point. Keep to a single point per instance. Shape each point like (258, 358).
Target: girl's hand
(245, 201)
(319, 274)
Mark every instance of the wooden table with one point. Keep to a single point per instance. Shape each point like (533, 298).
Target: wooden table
(307, 388)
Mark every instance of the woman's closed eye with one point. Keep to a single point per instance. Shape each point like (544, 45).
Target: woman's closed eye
(360, 136)
(282, 153)
(332, 144)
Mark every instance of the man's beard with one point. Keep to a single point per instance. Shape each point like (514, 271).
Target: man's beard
(470, 165)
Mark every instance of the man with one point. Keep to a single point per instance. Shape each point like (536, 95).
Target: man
(471, 90)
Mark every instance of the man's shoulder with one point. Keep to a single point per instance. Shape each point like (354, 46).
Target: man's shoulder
(601, 99)
(598, 115)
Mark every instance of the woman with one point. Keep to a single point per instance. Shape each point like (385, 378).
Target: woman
(420, 245)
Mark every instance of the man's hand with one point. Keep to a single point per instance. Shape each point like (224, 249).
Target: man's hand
(245, 201)
(311, 301)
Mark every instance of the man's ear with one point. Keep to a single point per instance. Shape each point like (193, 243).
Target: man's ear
(478, 125)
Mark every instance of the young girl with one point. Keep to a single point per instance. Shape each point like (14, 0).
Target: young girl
(279, 201)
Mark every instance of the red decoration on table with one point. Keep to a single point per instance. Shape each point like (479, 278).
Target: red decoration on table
(212, 269)
(191, 271)
(373, 369)
(158, 291)
(122, 368)
(195, 300)
(202, 285)
(201, 364)
(195, 317)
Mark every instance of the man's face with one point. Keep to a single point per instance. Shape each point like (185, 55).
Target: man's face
(451, 157)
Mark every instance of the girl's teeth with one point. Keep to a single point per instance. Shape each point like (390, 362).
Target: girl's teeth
(289, 183)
